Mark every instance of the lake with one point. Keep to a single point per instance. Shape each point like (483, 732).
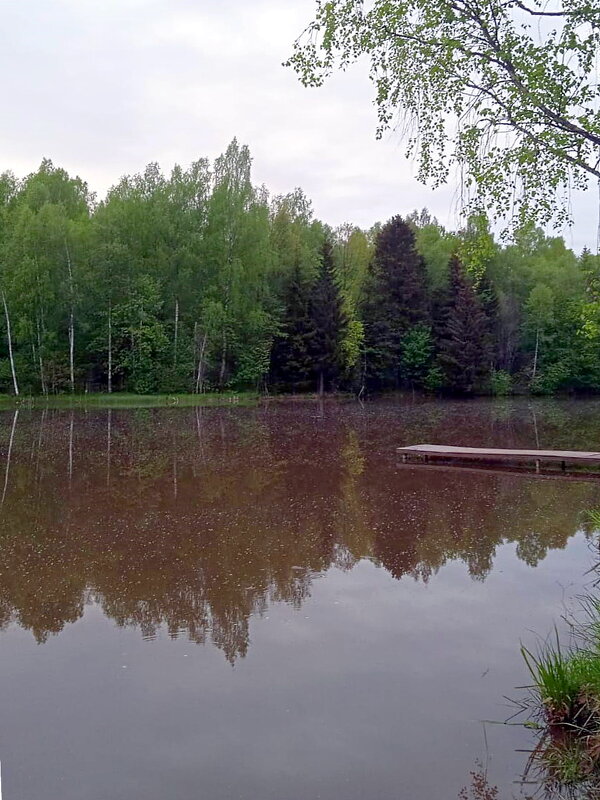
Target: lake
(264, 603)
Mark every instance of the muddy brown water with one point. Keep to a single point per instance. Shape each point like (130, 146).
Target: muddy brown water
(266, 604)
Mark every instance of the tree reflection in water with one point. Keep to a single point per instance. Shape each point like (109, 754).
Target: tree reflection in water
(197, 519)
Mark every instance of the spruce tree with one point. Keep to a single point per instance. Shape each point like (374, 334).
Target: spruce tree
(291, 356)
(396, 301)
(464, 346)
(329, 322)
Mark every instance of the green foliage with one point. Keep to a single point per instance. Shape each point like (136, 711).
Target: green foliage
(196, 280)
(569, 764)
(140, 340)
(417, 353)
(291, 363)
(352, 254)
(500, 383)
(522, 88)
(593, 516)
(436, 246)
(434, 380)
(352, 345)
(329, 321)
(565, 698)
(395, 302)
(476, 247)
(551, 379)
(464, 347)
(254, 354)
(561, 677)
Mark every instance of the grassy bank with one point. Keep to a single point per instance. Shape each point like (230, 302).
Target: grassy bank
(125, 400)
(121, 400)
(565, 706)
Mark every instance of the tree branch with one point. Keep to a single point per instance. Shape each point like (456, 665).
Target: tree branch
(560, 153)
(560, 121)
(535, 12)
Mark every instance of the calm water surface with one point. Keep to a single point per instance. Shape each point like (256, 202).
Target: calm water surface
(207, 604)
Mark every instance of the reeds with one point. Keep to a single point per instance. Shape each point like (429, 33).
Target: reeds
(568, 684)
(565, 698)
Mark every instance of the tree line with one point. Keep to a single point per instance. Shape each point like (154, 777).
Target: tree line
(200, 281)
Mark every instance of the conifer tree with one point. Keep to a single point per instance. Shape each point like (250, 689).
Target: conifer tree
(329, 322)
(396, 301)
(464, 347)
(291, 359)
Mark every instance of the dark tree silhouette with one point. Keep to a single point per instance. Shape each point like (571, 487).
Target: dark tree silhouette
(464, 347)
(329, 322)
(396, 301)
(291, 356)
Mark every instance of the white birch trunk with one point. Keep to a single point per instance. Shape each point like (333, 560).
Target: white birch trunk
(71, 321)
(41, 363)
(72, 351)
(535, 357)
(176, 334)
(10, 348)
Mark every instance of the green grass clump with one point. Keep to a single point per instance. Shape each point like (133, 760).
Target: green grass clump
(593, 516)
(566, 700)
(568, 684)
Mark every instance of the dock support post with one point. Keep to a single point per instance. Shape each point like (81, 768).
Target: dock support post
(563, 465)
(537, 465)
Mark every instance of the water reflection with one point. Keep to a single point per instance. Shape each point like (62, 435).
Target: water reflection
(9, 454)
(197, 519)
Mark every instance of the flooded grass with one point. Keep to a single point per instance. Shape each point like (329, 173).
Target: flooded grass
(568, 685)
(128, 400)
(123, 400)
(566, 701)
(568, 767)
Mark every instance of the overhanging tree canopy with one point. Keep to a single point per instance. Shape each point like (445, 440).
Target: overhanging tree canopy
(505, 90)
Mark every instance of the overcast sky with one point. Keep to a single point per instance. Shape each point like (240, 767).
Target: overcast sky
(105, 86)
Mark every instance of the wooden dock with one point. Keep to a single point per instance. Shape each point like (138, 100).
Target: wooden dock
(502, 469)
(491, 454)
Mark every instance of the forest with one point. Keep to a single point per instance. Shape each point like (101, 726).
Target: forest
(200, 281)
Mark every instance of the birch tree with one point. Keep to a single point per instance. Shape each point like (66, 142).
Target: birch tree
(7, 192)
(237, 257)
(505, 91)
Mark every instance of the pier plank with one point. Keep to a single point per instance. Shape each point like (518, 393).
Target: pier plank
(499, 454)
